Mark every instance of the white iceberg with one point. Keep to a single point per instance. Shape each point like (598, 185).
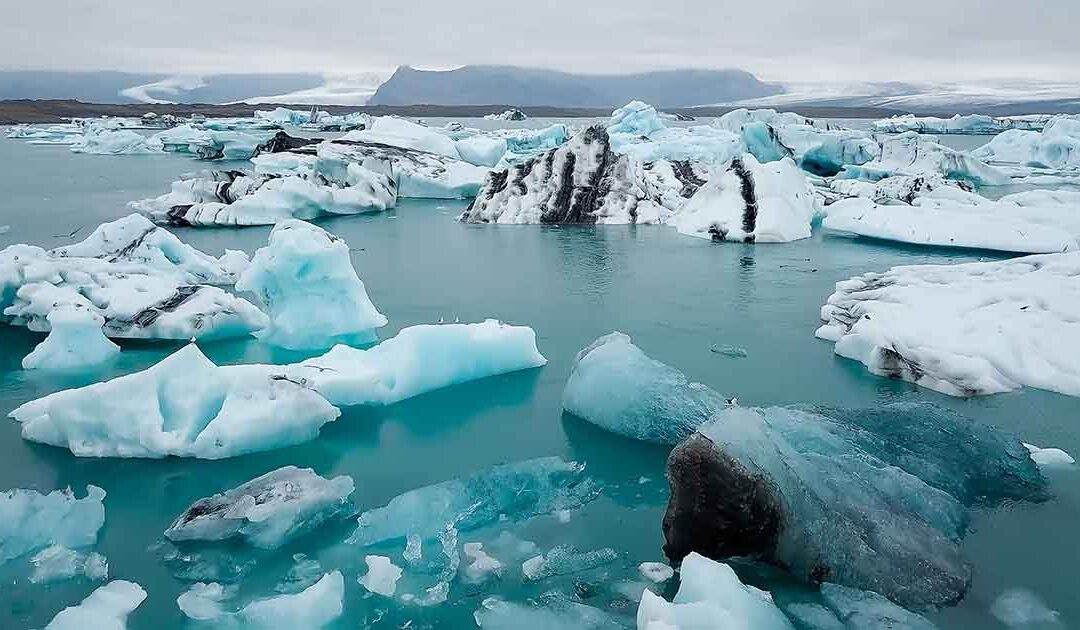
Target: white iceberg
(398, 132)
(57, 562)
(107, 608)
(381, 577)
(710, 597)
(508, 115)
(418, 359)
(1049, 457)
(304, 279)
(481, 150)
(866, 609)
(1056, 147)
(183, 406)
(30, 521)
(973, 124)
(912, 154)
(267, 511)
(639, 132)
(751, 202)
(100, 141)
(75, 341)
(313, 608)
(614, 385)
(412, 173)
(967, 329)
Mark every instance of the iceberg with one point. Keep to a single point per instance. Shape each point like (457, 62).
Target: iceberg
(912, 154)
(870, 499)
(964, 330)
(639, 132)
(412, 173)
(615, 386)
(31, 521)
(710, 597)
(482, 150)
(522, 144)
(75, 341)
(1049, 457)
(56, 563)
(751, 202)
(418, 359)
(107, 608)
(304, 279)
(315, 607)
(267, 511)
(183, 406)
(973, 124)
(508, 115)
(283, 163)
(515, 491)
(381, 577)
(656, 572)
(98, 141)
(552, 612)
(398, 132)
(1057, 146)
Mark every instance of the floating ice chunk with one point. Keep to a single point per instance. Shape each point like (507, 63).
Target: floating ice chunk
(517, 491)
(508, 115)
(872, 499)
(912, 154)
(710, 597)
(1049, 457)
(635, 118)
(100, 141)
(1020, 608)
(480, 565)
(107, 608)
(412, 173)
(30, 521)
(615, 386)
(751, 202)
(973, 124)
(315, 607)
(967, 329)
(135, 239)
(75, 341)
(398, 132)
(656, 572)
(302, 574)
(637, 131)
(184, 406)
(525, 143)
(382, 576)
(306, 282)
(482, 150)
(552, 612)
(565, 560)
(56, 563)
(267, 511)
(865, 609)
(419, 359)
(1057, 146)
(283, 163)
(994, 226)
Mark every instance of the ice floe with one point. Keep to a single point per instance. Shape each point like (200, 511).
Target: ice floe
(267, 511)
(305, 281)
(31, 521)
(966, 329)
(57, 562)
(107, 608)
(974, 124)
(614, 385)
(315, 607)
(413, 173)
(382, 576)
(1049, 457)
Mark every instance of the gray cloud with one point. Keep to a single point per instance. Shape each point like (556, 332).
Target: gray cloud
(778, 39)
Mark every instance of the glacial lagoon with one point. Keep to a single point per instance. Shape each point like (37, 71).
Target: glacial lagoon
(677, 297)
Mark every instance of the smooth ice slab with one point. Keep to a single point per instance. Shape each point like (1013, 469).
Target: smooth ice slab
(518, 491)
(418, 359)
(31, 521)
(183, 406)
(75, 341)
(967, 329)
(872, 499)
(751, 202)
(107, 608)
(304, 279)
(382, 576)
(267, 511)
(614, 385)
(710, 597)
(315, 607)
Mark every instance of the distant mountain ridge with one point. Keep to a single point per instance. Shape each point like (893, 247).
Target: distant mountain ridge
(477, 85)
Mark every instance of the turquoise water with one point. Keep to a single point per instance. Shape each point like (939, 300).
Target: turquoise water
(676, 296)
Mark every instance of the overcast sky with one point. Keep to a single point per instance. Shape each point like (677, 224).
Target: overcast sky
(777, 39)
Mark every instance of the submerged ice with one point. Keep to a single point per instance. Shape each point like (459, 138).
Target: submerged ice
(31, 521)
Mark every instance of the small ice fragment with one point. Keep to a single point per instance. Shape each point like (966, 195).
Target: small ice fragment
(202, 602)
(643, 480)
(382, 576)
(734, 352)
(481, 565)
(1017, 608)
(563, 516)
(656, 572)
(1049, 457)
(414, 549)
(107, 608)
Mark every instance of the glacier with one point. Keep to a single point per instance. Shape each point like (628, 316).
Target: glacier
(966, 329)
(75, 341)
(870, 499)
(107, 608)
(183, 406)
(305, 281)
(512, 491)
(751, 202)
(31, 521)
(315, 607)
(267, 511)
(614, 385)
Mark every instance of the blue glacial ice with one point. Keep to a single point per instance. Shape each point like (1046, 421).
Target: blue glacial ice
(305, 281)
(912, 154)
(844, 608)
(710, 597)
(107, 608)
(974, 124)
(75, 341)
(315, 607)
(57, 563)
(1057, 146)
(31, 521)
(872, 499)
(615, 386)
(637, 131)
(515, 491)
(267, 511)
(183, 406)
(565, 560)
